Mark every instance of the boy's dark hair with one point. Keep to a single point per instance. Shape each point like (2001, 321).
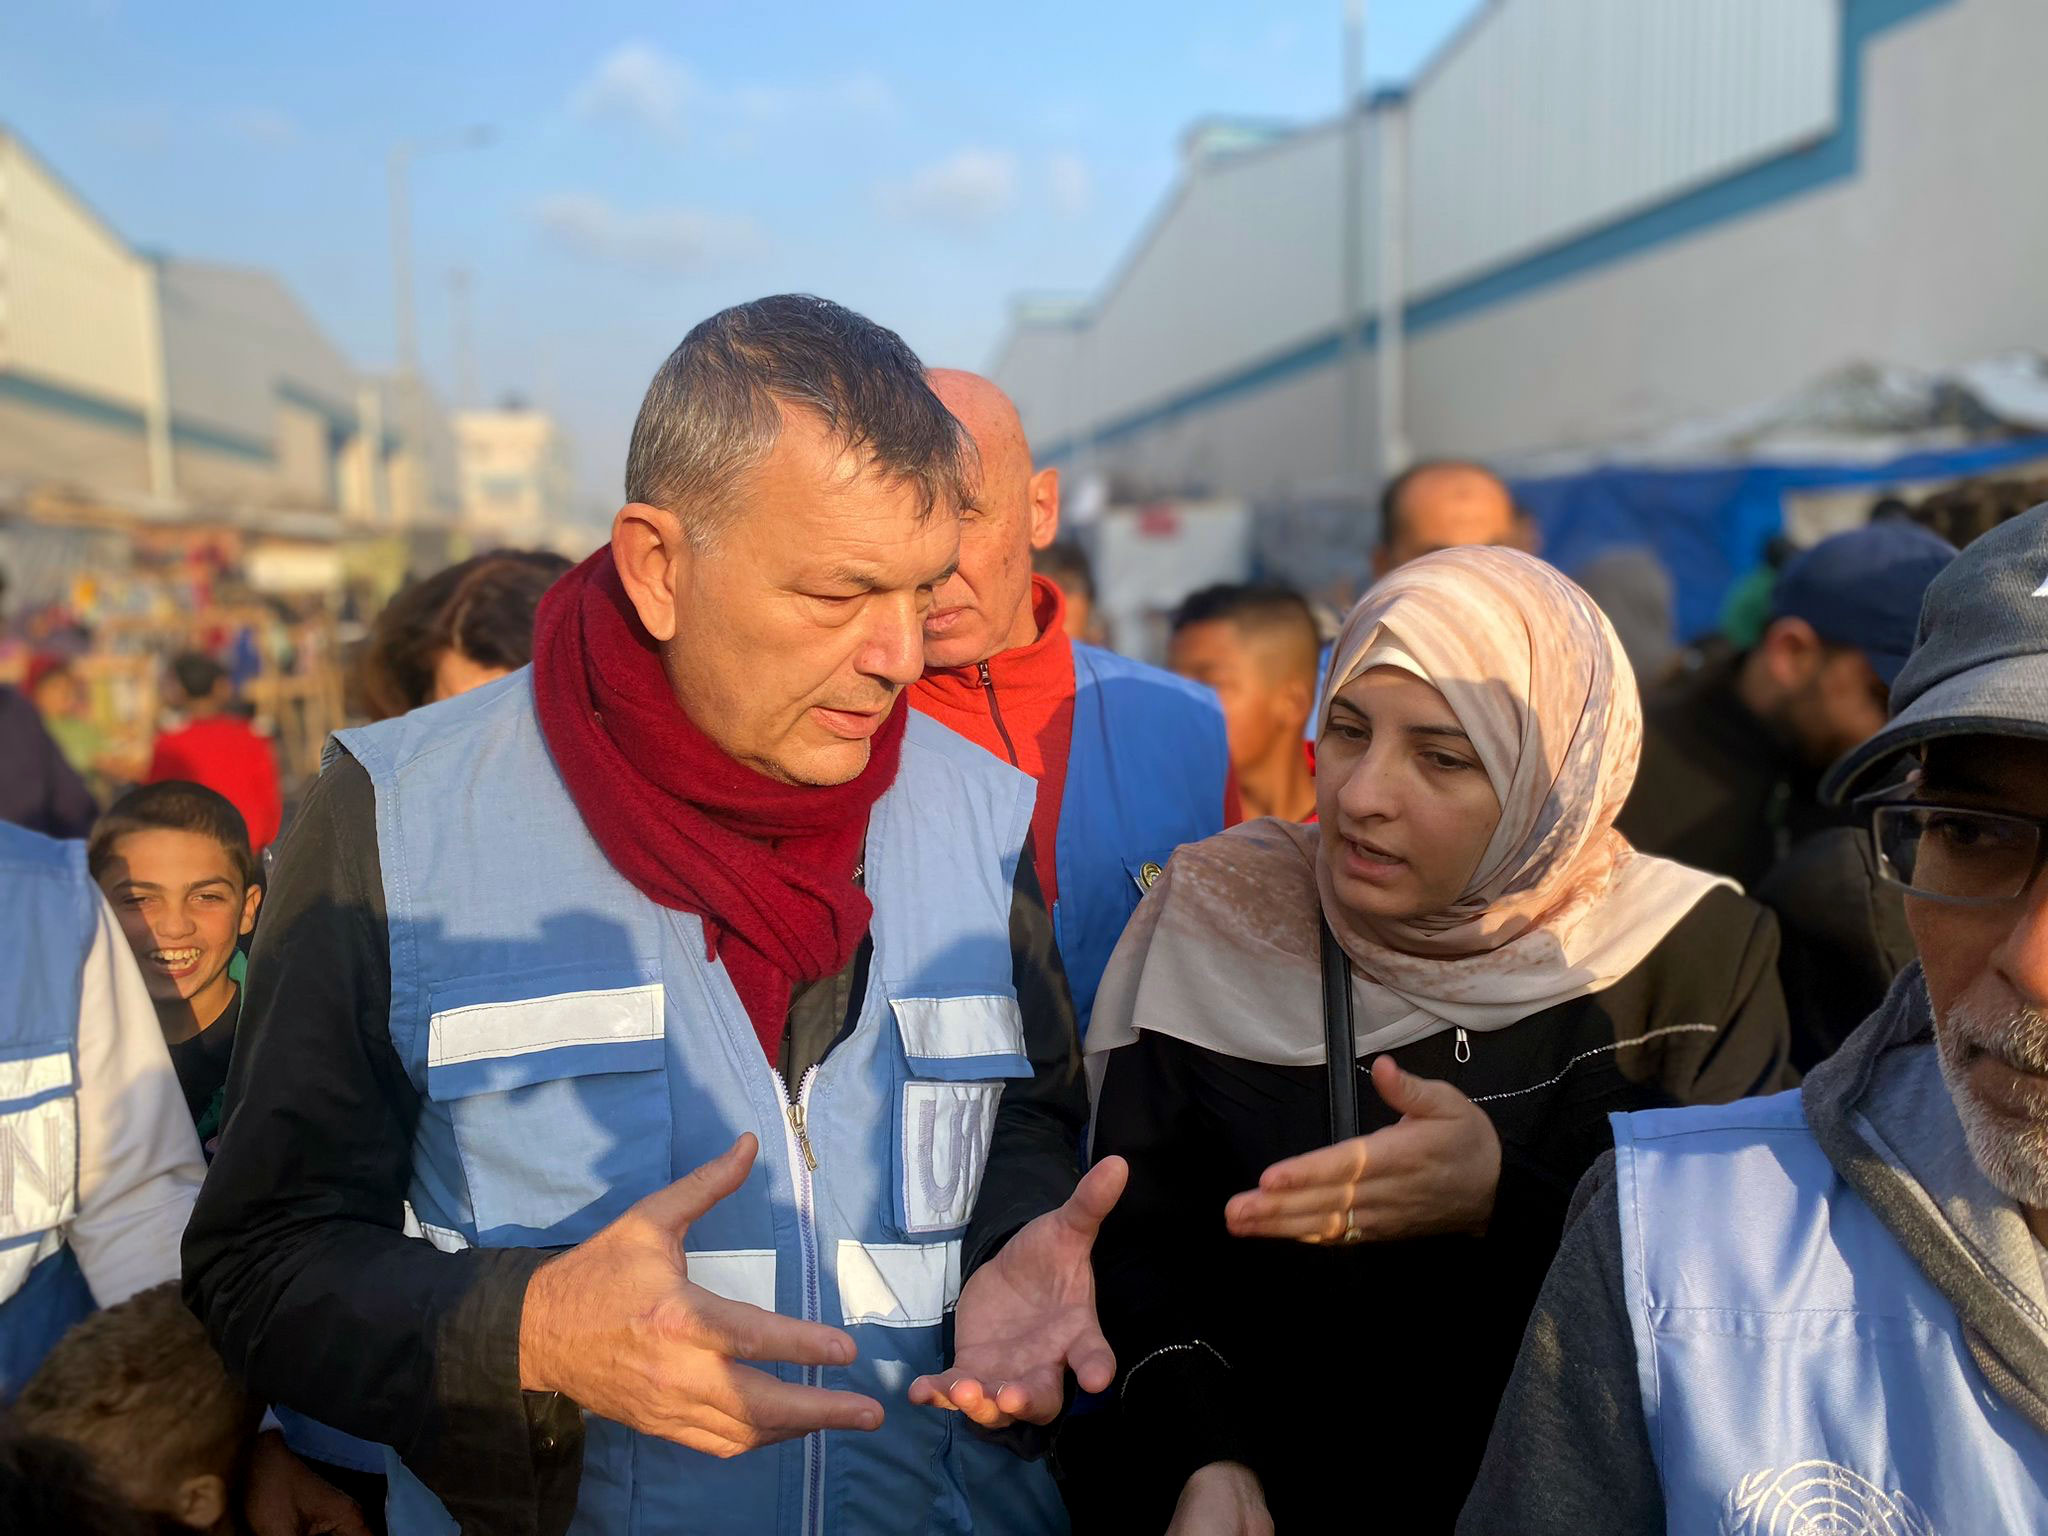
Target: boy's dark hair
(48, 1486)
(1260, 609)
(141, 1390)
(1066, 566)
(173, 806)
(197, 674)
(482, 607)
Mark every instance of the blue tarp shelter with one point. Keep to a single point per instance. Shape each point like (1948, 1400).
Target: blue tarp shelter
(1710, 524)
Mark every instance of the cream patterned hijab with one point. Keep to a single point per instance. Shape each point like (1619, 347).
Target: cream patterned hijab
(1224, 953)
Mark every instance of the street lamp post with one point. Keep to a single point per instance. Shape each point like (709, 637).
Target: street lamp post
(406, 382)
(1351, 248)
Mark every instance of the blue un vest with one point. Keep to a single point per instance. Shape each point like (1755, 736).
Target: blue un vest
(1796, 1366)
(575, 1051)
(49, 909)
(1145, 774)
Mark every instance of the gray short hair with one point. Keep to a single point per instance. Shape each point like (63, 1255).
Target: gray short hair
(712, 412)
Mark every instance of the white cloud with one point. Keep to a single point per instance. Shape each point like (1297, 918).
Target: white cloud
(641, 85)
(637, 84)
(867, 94)
(967, 191)
(656, 242)
(1071, 187)
(263, 125)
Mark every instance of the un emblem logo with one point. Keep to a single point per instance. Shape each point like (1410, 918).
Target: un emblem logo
(1819, 1498)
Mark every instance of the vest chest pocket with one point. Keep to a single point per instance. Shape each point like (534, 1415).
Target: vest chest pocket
(559, 1107)
(958, 1051)
(38, 1159)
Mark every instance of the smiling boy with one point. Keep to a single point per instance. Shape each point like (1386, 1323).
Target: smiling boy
(175, 864)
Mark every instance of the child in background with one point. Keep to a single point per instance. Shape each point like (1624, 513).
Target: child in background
(218, 748)
(175, 864)
(139, 1390)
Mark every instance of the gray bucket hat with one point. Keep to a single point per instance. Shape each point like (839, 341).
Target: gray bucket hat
(1980, 659)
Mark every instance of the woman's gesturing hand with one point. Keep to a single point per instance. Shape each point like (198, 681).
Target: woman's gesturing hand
(1435, 1170)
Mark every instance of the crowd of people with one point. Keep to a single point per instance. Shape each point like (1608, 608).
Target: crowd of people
(774, 1028)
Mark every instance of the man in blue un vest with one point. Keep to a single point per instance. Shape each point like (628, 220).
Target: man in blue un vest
(694, 892)
(1131, 761)
(1828, 1310)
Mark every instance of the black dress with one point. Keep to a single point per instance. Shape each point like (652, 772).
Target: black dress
(1360, 1383)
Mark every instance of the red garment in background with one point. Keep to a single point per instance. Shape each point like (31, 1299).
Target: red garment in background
(1032, 689)
(224, 753)
(769, 866)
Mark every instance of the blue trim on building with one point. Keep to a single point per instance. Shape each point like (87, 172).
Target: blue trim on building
(337, 416)
(46, 396)
(188, 434)
(43, 395)
(1774, 181)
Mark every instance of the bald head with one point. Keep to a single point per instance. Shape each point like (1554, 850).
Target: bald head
(1441, 505)
(986, 608)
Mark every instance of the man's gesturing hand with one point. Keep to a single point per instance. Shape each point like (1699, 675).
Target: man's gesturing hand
(1435, 1170)
(616, 1326)
(1028, 1315)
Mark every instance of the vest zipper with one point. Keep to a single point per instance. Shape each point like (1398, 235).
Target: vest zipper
(802, 1162)
(1463, 1051)
(988, 686)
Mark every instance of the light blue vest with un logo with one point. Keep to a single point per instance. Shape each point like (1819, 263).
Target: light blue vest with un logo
(49, 910)
(1146, 772)
(1798, 1371)
(575, 1050)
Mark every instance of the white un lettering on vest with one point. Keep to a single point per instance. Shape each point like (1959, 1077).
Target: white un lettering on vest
(946, 1132)
(38, 1158)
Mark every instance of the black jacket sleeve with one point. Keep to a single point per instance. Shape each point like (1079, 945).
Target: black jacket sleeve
(295, 1257)
(1570, 1450)
(1844, 936)
(1752, 1053)
(1034, 1155)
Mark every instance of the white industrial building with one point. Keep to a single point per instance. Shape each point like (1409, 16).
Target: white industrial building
(1584, 221)
(517, 484)
(189, 387)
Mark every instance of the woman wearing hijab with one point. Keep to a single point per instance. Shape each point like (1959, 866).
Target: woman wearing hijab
(1309, 1332)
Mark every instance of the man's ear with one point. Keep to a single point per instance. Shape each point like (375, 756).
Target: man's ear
(251, 900)
(652, 554)
(1791, 649)
(200, 1502)
(1044, 491)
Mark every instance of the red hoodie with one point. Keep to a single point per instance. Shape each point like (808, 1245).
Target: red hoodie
(1019, 705)
(227, 756)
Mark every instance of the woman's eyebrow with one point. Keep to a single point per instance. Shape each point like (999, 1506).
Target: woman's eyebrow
(1457, 731)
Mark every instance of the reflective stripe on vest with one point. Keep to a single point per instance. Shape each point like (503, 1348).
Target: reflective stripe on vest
(575, 1051)
(49, 911)
(1798, 1371)
(1146, 772)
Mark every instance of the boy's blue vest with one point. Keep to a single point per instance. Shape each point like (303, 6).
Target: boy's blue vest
(574, 1051)
(49, 910)
(1798, 1371)
(1146, 773)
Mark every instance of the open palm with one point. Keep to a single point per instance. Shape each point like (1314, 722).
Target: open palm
(1027, 1317)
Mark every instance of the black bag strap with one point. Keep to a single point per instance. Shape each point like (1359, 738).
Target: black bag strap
(1340, 1040)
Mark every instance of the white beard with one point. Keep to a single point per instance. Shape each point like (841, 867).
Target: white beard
(2012, 1153)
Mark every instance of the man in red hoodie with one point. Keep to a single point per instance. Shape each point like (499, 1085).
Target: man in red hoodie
(1131, 761)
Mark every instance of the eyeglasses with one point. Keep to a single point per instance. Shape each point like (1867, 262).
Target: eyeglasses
(1947, 853)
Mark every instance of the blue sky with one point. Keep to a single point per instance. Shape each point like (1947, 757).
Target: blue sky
(652, 163)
